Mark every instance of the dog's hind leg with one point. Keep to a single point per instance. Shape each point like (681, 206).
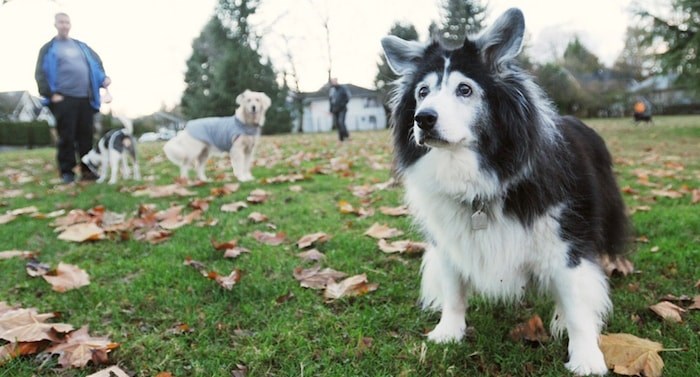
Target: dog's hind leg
(442, 288)
(582, 302)
(114, 158)
(104, 165)
(126, 170)
(201, 164)
(135, 164)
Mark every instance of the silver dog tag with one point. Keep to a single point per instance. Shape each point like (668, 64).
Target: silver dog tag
(479, 220)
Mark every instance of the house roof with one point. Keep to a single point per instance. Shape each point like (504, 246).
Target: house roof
(355, 91)
(655, 83)
(9, 101)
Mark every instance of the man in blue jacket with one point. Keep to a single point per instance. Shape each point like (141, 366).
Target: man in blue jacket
(69, 75)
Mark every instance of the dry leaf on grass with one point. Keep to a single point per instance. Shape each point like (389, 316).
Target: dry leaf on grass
(28, 326)
(404, 246)
(113, 371)
(6, 218)
(317, 278)
(619, 264)
(230, 248)
(668, 311)
(311, 239)
(629, 355)
(258, 196)
(233, 207)
(696, 304)
(226, 189)
(311, 255)
(67, 277)
(272, 239)
(353, 286)
(78, 348)
(379, 231)
(163, 191)
(394, 211)
(257, 217)
(346, 208)
(17, 254)
(23, 211)
(227, 282)
(82, 232)
(531, 330)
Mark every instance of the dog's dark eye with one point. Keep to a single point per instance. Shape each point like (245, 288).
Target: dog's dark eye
(464, 90)
(423, 92)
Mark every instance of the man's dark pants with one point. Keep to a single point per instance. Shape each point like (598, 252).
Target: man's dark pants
(75, 128)
(339, 122)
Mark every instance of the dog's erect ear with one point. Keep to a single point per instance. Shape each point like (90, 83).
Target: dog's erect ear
(503, 40)
(266, 101)
(402, 55)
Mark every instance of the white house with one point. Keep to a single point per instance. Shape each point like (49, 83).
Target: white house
(20, 106)
(365, 110)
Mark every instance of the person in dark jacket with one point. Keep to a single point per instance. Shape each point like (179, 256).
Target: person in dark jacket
(69, 75)
(339, 96)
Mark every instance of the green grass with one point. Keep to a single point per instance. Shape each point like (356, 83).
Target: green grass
(139, 292)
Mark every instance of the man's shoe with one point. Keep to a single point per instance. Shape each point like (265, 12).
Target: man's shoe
(67, 178)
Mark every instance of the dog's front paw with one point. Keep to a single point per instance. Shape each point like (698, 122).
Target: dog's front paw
(100, 180)
(244, 178)
(588, 362)
(446, 333)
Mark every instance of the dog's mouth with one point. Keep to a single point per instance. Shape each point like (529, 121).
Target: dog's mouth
(430, 139)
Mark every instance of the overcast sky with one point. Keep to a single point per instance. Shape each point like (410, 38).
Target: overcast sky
(144, 44)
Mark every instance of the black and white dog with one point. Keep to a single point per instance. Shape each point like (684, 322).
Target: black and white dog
(116, 147)
(506, 191)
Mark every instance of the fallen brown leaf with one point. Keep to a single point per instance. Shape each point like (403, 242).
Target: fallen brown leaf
(394, 211)
(668, 311)
(629, 355)
(619, 264)
(353, 286)
(258, 196)
(317, 278)
(163, 191)
(405, 246)
(67, 277)
(311, 239)
(311, 255)
(113, 371)
(696, 304)
(6, 218)
(257, 217)
(272, 239)
(382, 231)
(25, 325)
(531, 330)
(17, 254)
(23, 211)
(36, 268)
(79, 348)
(82, 232)
(233, 207)
(227, 282)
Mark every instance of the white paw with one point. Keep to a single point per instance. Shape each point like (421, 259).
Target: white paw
(100, 180)
(112, 181)
(244, 178)
(587, 363)
(443, 333)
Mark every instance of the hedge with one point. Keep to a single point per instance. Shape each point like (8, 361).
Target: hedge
(29, 134)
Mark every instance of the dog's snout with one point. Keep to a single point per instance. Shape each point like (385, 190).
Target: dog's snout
(426, 119)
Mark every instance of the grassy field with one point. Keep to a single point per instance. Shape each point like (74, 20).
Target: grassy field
(169, 318)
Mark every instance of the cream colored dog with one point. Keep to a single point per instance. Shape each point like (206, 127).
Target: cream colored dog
(237, 135)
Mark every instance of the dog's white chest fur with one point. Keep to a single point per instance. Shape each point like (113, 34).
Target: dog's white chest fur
(497, 261)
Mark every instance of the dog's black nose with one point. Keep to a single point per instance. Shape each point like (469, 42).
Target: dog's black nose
(426, 119)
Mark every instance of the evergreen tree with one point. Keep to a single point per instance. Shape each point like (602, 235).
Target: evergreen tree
(635, 61)
(579, 60)
(461, 18)
(681, 35)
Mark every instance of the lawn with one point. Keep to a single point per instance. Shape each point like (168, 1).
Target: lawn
(167, 317)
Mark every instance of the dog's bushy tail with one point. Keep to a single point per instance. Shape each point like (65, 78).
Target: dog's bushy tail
(128, 125)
